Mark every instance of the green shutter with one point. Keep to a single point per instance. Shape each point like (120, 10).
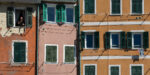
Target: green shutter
(10, 17)
(44, 12)
(122, 40)
(29, 17)
(58, 13)
(69, 54)
(114, 70)
(96, 40)
(115, 6)
(107, 40)
(82, 39)
(63, 13)
(19, 52)
(77, 14)
(89, 6)
(136, 70)
(145, 40)
(129, 40)
(51, 54)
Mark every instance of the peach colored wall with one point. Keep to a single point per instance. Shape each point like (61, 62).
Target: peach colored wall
(61, 35)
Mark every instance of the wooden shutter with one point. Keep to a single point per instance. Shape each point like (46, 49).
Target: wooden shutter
(69, 54)
(122, 40)
(129, 40)
(107, 40)
(96, 40)
(77, 14)
(44, 12)
(114, 70)
(145, 40)
(82, 39)
(63, 13)
(10, 17)
(19, 52)
(29, 17)
(51, 54)
(58, 13)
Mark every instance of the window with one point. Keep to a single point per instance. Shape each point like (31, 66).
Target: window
(137, 40)
(137, 6)
(114, 70)
(19, 52)
(89, 6)
(136, 70)
(51, 14)
(90, 69)
(19, 17)
(90, 40)
(115, 7)
(51, 54)
(115, 40)
(69, 54)
(70, 14)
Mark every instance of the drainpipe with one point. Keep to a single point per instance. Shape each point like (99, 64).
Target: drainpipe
(37, 29)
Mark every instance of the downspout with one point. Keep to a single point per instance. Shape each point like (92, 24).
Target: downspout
(37, 38)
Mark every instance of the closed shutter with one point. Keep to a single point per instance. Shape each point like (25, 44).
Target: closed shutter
(29, 17)
(63, 13)
(51, 54)
(96, 40)
(107, 40)
(129, 40)
(114, 70)
(19, 52)
(89, 6)
(82, 39)
(115, 6)
(58, 13)
(122, 40)
(69, 54)
(10, 17)
(77, 14)
(137, 6)
(136, 70)
(145, 40)
(44, 12)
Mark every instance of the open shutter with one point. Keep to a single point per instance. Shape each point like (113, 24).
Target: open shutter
(122, 40)
(129, 40)
(10, 17)
(77, 14)
(107, 40)
(29, 17)
(44, 12)
(145, 40)
(82, 39)
(58, 13)
(63, 13)
(96, 40)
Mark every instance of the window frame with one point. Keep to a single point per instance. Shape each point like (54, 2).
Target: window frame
(114, 66)
(133, 33)
(74, 54)
(89, 65)
(84, 8)
(137, 65)
(26, 52)
(45, 53)
(131, 12)
(111, 40)
(111, 8)
(51, 5)
(85, 43)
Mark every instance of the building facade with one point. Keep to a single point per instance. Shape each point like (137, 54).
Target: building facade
(57, 38)
(18, 37)
(115, 37)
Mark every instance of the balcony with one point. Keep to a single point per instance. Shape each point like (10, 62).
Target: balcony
(21, 1)
(60, 0)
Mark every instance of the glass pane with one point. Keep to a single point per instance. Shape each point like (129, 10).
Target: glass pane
(89, 40)
(51, 54)
(115, 6)
(90, 70)
(137, 40)
(137, 6)
(136, 70)
(69, 14)
(89, 6)
(115, 40)
(51, 14)
(114, 70)
(69, 54)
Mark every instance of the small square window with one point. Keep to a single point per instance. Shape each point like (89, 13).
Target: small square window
(115, 40)
(89, 40)
(136, 70)
(51, 13)
(114, 70)
(89, 70)
(137, 40)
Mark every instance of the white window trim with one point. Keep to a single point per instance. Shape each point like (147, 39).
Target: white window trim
(89, 65)
(84, 8)
(141, 33)
(136, 13)
(137, 65)
(114, 66)
(74, 55)
(111, 40)
(45, 53)
(51, 5)
(85, 43)
(25, 41)
(21, 8)
(111, 8)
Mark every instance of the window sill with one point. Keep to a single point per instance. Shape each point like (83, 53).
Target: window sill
(90, 48)
(48, 22)
(136, 14)
(71, 63)
(19, 64)
(115, 15)
(50, 63)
